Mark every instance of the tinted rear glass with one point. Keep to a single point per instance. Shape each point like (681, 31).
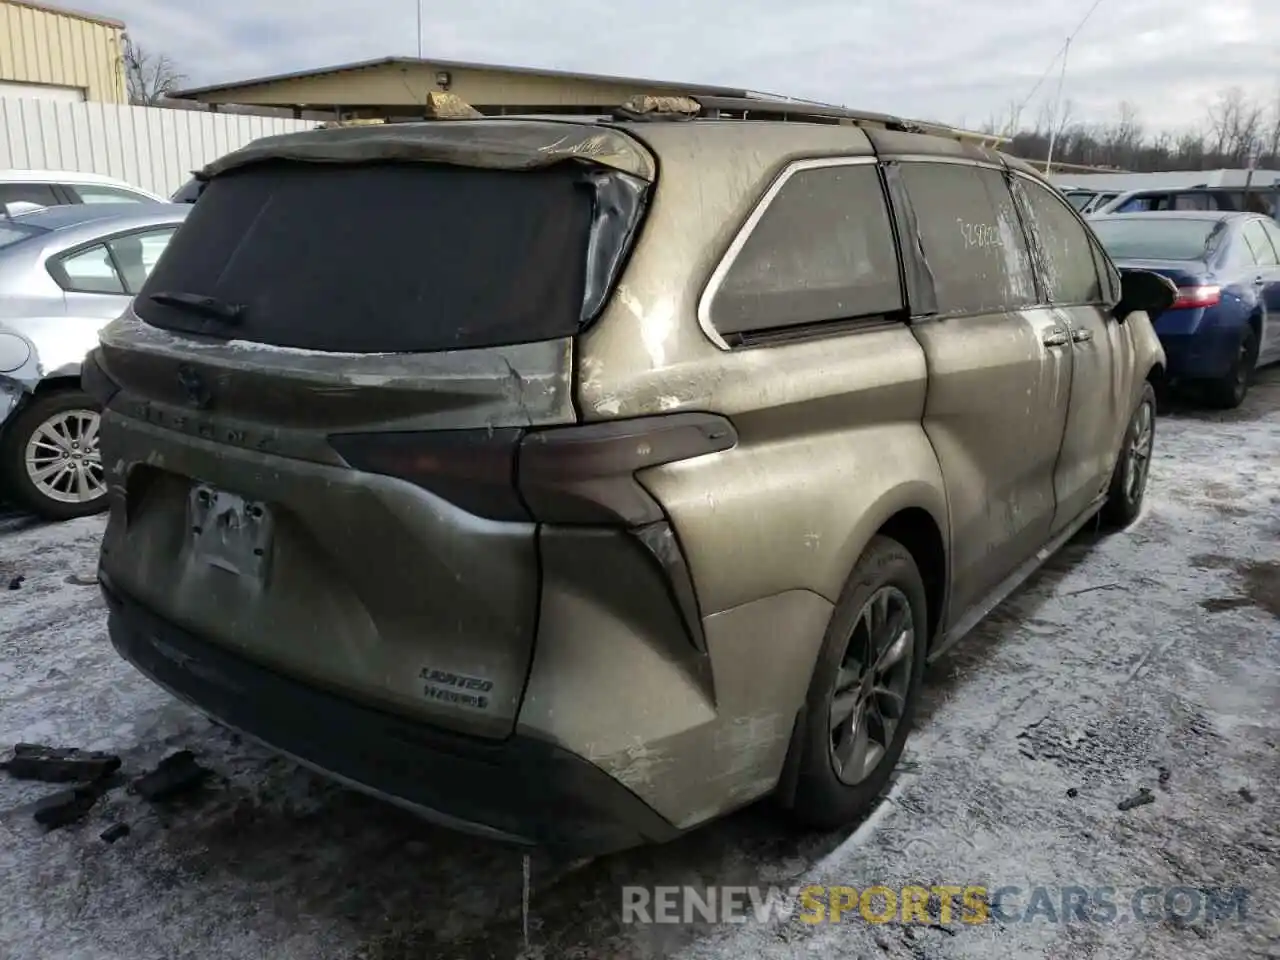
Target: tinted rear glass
(1136, 238)
(382, 257)
(823, 250)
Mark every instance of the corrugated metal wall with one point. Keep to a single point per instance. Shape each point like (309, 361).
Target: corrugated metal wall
(61, 49)
(150, 147)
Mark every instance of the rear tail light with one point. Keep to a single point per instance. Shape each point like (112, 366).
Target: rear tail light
(1201, 296)
(582, 474)
(472, 469)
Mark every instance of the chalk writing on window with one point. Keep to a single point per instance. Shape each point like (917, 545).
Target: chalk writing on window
(978, 234)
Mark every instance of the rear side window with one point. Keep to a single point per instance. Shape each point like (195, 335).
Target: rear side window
(119, 265)
(972, 237)
(1264, 254)
(1067, 261)
(90, 270)
(823, 250)
(96, 193)
(1273, 233)
(391, 258)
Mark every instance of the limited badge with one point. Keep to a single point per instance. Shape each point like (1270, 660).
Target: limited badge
(458, 689)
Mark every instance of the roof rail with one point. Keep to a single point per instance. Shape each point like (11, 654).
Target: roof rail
(672, 108)
(775, 108)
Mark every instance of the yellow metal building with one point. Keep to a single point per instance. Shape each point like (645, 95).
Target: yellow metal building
(58, 54)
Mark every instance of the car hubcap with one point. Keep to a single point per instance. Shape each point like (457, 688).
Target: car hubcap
(870, 696)
(1139, 452)
(63, 460)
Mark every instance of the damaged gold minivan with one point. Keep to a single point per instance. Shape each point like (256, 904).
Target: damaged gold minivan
(576, 481)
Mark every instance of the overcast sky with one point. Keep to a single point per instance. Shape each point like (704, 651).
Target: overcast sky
(957, 61)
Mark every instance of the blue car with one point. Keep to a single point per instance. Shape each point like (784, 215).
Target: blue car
(1225, 323)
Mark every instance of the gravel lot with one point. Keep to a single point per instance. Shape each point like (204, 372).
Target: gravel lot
(1147, 659)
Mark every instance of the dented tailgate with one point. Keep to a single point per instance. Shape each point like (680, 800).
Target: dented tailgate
(314, 403)
(365, 584)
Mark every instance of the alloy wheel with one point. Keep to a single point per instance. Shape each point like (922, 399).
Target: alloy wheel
(62, 458)
(1138, 455)
(870, 695)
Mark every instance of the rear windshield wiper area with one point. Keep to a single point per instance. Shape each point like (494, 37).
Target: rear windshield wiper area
(210, 307)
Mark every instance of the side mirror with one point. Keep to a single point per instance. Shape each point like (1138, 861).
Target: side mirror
(1143, 290)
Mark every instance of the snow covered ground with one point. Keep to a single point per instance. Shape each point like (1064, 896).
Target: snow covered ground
(1146, 659)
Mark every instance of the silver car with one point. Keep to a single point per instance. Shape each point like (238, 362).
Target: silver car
(65, 272)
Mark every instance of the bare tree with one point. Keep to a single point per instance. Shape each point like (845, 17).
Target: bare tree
(149, 77)
(1236, 129)
(1235, 125)
(1271, 141)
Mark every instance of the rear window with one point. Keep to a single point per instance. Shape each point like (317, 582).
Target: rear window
(1169, 238)
(11, 233)
(390, 258)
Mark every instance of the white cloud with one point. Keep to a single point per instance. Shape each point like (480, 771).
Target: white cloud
(956, 62)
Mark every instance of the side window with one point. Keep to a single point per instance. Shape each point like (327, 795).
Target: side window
(93, 193)
(972, 237)
(1066, 249)
(1194, 201)
(87, 271)
(1109, 276)
(136, 255)
(823, 250)
(1272, 230)
(1264, 254)
(41, 193)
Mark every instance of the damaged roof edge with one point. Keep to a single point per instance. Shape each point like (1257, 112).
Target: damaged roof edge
(497, 144)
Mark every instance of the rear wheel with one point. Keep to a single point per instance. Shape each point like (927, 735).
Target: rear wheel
(49, 456)
(1230, 391)
(1133, 466)
(865, 686)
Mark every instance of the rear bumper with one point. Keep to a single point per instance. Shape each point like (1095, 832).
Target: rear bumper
(520, 790)
(1204, 355)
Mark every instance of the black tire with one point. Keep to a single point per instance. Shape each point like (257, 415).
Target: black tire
(13, 444)
(1125, 494)
(822, 799)
(1229, 392)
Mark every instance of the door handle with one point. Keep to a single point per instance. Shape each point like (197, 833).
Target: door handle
(1056, 337)
(1081, 336)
